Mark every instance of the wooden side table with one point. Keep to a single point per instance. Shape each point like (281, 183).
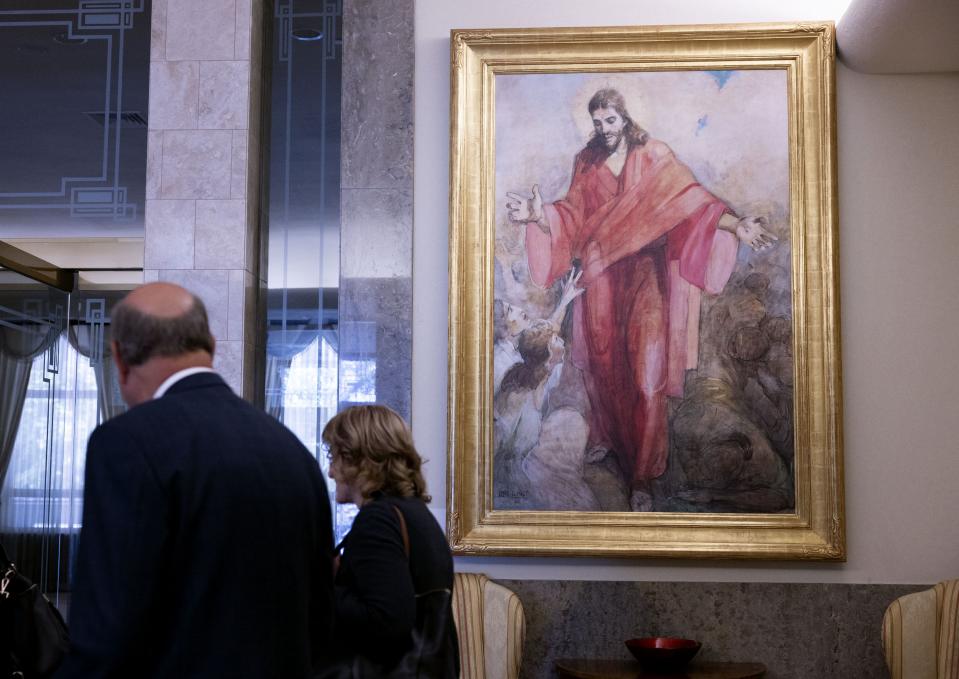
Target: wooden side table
(589, 668)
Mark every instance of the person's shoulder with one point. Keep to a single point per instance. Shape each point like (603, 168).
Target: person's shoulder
(127, 423)
(654, 148)
(122, 436)
(376, 516)
(382, 504)
(414, 507)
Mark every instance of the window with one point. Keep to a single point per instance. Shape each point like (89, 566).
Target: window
(310, 399)
(43, 488)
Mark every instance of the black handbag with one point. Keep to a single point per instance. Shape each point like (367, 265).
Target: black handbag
(33, 634)
(434, 653)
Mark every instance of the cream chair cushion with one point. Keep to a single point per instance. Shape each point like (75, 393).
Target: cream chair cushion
(491, 628)
(920, 634)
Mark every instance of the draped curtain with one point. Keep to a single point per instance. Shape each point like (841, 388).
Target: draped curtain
(282, 346)
(20, 344)
(58, 384)
(93, 343)
(302, 379)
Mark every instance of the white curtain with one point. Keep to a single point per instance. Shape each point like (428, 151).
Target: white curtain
(92, 342)
(20, 344)
(309, 395)
(43, 489)
(282, 346)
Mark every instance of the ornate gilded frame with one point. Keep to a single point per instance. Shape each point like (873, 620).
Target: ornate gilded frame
(814, 530)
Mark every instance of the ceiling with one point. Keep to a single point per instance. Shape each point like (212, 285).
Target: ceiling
(900, 36)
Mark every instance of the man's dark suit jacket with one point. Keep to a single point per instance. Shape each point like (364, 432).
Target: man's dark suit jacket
(206, 544)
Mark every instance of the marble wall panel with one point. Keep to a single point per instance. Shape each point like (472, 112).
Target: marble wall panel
(200, 30)
(376, 233)
(221, 234)
(244, 23)
(224, 97)
(174, 87)
(196, 164)
(827, 631)
(169, 232)
(158, 16)
(376, 197)
(241, 314)
(228, 361)
(202, 233)
(154, 162)
(384, 307)
(211, 286)
(377, 117)
(239, 164)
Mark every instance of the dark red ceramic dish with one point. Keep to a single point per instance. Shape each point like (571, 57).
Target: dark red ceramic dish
(663, 654)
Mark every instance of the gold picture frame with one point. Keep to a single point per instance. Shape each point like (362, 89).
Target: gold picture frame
(799, 59)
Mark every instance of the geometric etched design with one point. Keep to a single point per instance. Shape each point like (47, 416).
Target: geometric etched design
(90, 25)
(95, 318)
(332, 35)
(102, 202)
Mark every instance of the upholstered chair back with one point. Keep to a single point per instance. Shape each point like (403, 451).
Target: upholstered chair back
(491, 627)
(920, 634)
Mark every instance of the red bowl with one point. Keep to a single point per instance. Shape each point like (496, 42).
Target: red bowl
(663, 654)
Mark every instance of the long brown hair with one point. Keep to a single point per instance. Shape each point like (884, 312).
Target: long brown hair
(375, 451)
(611, 98)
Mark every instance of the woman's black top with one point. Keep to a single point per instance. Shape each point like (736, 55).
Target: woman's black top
(376, 585)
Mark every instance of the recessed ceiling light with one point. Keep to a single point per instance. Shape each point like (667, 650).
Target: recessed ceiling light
(66, 39)
(307, 34)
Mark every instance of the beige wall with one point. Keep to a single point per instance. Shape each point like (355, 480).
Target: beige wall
(899, 241)
(201, 157)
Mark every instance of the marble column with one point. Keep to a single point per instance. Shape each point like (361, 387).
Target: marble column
(377, 192)
(203, 176)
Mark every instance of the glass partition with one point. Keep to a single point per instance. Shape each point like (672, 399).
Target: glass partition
(304, 369)
(58, 383)
(340, 238)
(74, 74)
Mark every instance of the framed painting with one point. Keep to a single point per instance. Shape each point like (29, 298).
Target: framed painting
(644, 315)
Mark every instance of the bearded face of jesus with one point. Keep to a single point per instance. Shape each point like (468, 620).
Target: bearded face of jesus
(609, 124)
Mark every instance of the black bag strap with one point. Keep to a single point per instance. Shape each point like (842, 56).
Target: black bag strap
(405, 533)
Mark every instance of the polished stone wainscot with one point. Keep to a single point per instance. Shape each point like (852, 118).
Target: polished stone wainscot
(799, 631)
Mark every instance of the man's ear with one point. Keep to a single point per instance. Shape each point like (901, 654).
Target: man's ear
(123, 370)
(212, 346)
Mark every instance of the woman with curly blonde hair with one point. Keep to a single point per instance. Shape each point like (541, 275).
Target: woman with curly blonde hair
(395, 552)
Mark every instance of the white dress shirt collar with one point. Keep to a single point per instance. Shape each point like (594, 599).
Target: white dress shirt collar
(176, 377)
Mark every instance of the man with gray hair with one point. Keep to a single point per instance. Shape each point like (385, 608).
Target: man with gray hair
(206, 548)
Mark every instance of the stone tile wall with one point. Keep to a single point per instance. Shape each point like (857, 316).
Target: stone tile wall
(799, 631)
(203, 166)
(376, 197)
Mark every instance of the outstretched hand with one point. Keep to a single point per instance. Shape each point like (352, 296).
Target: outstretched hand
(753, 232)
(570, 291)
(521, 209)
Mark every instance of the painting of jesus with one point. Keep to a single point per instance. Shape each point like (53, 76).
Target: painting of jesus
(642, 318)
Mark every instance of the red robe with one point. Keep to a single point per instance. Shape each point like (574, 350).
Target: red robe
(647, 244)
